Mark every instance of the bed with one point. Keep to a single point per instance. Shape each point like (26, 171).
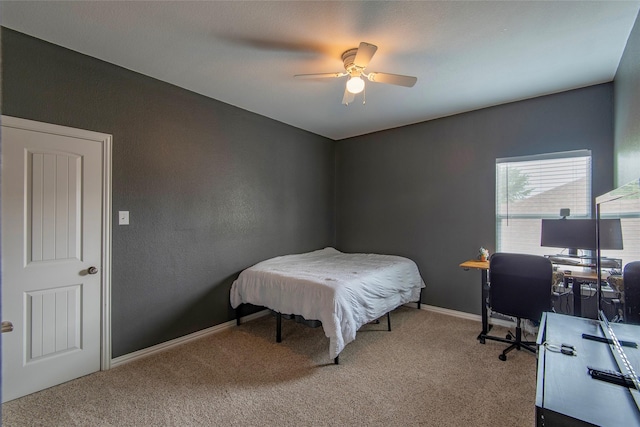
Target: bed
(343, 291)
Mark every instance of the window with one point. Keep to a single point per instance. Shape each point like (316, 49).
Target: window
(534, 187)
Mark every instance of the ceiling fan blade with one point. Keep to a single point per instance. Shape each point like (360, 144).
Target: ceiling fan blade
(364, 55)
(394, 79)
(319, 75)
(274, 45)
(348, 97)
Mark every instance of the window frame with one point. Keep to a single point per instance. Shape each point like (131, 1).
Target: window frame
(501, 215)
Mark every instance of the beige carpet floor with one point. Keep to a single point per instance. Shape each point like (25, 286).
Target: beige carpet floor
(429, 370)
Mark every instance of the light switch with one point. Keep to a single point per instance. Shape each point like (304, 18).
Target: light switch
(123, 218)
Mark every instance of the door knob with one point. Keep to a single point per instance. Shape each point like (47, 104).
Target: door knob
(92, 270)
(7, 326)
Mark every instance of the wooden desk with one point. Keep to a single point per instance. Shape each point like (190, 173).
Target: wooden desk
(566, 395)
(483, 266)
(475, 263)
(585, 275)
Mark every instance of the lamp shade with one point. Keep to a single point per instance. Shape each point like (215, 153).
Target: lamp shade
(355, 85)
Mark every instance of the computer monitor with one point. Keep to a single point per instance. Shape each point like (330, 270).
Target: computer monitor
(575, 234)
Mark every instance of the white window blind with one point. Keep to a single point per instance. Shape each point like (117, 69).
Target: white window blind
(534, 187)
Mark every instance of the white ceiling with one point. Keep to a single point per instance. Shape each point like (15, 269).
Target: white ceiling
(466, 55)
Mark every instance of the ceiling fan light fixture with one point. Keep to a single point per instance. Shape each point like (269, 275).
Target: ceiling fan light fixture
(355, 85)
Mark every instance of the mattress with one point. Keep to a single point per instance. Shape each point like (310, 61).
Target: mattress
(342, 290)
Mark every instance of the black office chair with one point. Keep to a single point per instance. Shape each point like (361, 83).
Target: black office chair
(631, 285)
(519, 286)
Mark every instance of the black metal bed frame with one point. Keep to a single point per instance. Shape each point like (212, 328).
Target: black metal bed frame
(336, 360)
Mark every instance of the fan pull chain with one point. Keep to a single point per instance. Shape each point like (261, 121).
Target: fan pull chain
(364, 95)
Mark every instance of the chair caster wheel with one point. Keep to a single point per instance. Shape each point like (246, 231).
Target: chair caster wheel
(502, 357)
(481, 340)
(509, 337)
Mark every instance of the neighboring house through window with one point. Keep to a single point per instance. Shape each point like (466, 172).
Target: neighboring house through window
(531, 188)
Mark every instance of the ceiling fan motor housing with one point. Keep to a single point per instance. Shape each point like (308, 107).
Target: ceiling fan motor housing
(348, 58)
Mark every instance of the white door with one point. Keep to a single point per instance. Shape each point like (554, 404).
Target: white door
(52, 231)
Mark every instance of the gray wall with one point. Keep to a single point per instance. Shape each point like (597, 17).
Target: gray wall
(211, 188)
(427, 191)
(627, 111)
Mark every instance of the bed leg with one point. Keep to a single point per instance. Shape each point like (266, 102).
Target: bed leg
(336, 360)
(278, 327)
(420, 299)
(238, 315)
(389, 320)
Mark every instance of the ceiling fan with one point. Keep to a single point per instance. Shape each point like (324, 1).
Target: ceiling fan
(355, 61)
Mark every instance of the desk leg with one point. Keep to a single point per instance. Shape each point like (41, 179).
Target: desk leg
(577, 298)
(486, 327)
(484, 294)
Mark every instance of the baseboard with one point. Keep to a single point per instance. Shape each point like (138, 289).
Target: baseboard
(506, 322)
(449, 312)
(146, 352)
(121, 360)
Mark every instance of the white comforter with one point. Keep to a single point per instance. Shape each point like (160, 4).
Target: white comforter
(344, 291)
